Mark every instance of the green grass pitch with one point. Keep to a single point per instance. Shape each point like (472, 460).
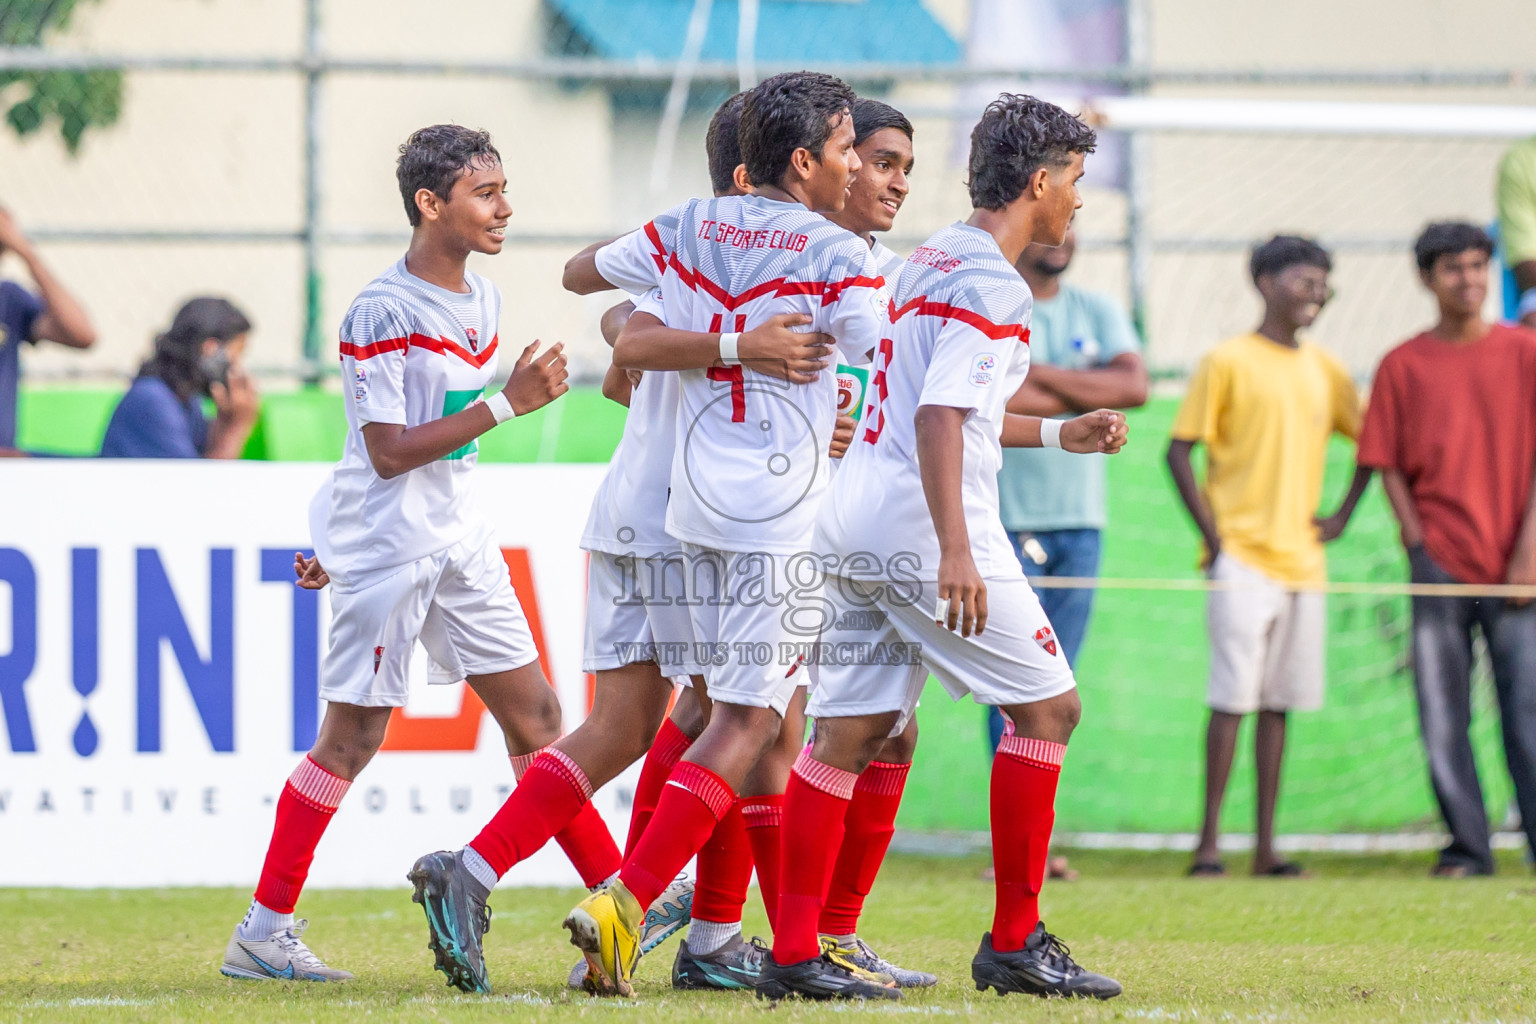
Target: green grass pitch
(1364, 939)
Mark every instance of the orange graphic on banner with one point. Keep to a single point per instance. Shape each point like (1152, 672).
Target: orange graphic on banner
(461, 731)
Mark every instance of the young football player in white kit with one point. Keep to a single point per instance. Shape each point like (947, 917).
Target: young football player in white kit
(951, 595)
(750, 464)
(409, 555)
(634, 644)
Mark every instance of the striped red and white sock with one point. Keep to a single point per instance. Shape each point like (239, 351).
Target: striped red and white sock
(552, 791)
(586, 839)
(667, 749)
(690, 807)
(306, 806)
(1024, 776)
(868, 828)
(763, 816)
(815, 805)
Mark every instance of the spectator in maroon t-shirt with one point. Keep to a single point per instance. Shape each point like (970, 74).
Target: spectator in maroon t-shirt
(1452, 427)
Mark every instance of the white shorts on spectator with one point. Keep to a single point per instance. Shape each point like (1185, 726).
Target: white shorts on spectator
(1266, 643)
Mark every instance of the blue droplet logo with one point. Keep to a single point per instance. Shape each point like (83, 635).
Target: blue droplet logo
(85, 735)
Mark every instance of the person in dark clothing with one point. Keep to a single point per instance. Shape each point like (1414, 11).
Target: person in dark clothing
(199, 355)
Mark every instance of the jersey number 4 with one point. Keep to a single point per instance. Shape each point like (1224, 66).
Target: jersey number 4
(874, 413)
(731, 373)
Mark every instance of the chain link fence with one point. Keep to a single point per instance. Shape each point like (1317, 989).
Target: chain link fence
(168, 148)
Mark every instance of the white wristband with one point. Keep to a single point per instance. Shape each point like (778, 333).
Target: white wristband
(1050, 433)
(500, 407)
(728, 345)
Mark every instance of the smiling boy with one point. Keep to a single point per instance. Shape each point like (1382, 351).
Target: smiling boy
(1264, 404)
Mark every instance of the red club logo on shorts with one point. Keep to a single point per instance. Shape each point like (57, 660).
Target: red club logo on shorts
(1043, 636)
(378, 655)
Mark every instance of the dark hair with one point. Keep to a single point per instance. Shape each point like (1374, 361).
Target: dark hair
(179, 347)
(1016, 136)
(1448, 238)
(1284, 251)
(870, 116)
(722, 143)
(795, 110)
(437, 156)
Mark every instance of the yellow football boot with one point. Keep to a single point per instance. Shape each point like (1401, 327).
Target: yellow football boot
(606, 928)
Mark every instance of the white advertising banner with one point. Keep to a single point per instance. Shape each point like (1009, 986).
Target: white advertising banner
(159, 670)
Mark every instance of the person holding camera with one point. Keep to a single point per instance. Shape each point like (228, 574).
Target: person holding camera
(199, 355)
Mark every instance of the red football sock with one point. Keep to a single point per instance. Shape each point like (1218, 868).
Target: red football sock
(763, 816)
(549, 795)
(667, 749)
(814, 807)
(725, 871)
(309, 800)
(1024, 776)
(868, 829)
(691, 806)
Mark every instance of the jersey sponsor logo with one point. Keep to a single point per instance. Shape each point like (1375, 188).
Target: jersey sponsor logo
(984, 369)
(474, 338)
(1046, 639)
(378, 657)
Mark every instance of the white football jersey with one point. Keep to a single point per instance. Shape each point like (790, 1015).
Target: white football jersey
(888, 263)
(959, 337)
(750, 463)
(629, 510)
(411, 352)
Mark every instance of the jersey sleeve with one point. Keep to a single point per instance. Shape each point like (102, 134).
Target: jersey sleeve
(1117, 335)
(1199, 415)
(650, 302)
(374, 340)
(637, 261)
(859, 312)
(1346, 399)
(1380, 434)
(970, 357)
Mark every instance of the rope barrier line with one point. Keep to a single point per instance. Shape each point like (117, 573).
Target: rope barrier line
(1207, 586)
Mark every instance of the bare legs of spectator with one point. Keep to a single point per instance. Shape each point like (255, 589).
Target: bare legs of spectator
(1269, 751)
(1220, 745)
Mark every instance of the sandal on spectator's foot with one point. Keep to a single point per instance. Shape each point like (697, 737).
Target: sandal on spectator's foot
(1284, 869)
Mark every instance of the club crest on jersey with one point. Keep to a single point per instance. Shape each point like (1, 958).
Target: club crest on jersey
(983, 369)
(378, 655)
(1046, 639)
(474, 338)
(359, 383)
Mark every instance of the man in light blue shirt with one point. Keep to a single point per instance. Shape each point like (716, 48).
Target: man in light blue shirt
(1084, 355)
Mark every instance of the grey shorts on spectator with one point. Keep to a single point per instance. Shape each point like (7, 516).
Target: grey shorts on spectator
(1266, 643)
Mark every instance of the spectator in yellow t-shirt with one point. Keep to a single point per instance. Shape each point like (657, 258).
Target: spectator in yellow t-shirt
(1516, 193)
(1264, 404)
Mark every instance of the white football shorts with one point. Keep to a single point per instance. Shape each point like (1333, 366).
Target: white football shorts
(880, 645)
(636, 611)
(458, 602)
(750, 612)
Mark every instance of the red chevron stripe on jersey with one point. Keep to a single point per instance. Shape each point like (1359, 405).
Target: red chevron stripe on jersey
(661, 254)
(378, 348)
(442, 346)
(920, 306)
(829, 291)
